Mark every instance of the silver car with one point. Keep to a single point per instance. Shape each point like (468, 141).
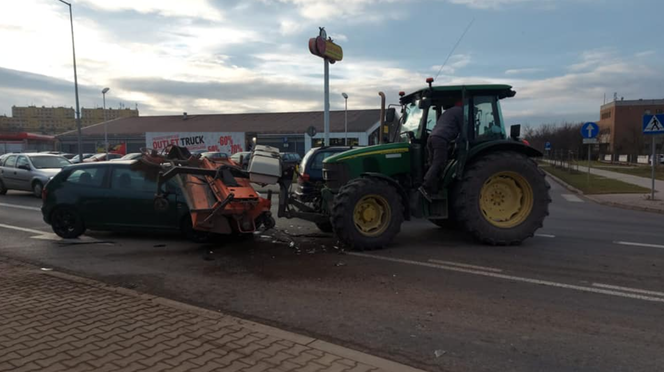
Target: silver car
(29, 172)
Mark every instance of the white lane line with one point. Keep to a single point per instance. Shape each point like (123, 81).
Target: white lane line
(515, 278)
(467, 265)
(22, 229)
(545, 235)
(572, 198)
(20, 207)
(640, 244)
(628, 289)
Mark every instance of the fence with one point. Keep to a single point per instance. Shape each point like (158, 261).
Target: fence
(567, 160)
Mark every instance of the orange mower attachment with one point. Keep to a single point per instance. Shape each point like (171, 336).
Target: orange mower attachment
(220, 197)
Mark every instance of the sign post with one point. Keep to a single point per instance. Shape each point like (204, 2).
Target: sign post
(652, 126)
(547, 148)
(324, 47)
(589, 132)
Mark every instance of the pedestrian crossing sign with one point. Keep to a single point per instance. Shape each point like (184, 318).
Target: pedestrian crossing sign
(653, 124)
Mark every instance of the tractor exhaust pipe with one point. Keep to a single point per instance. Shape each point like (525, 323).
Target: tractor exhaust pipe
(381, 129)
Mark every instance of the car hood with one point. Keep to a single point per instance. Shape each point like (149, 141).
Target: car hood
(48, 171)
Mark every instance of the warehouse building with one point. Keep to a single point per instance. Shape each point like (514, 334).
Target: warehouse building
(227, 132)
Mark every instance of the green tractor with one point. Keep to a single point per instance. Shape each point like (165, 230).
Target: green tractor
(490, 188)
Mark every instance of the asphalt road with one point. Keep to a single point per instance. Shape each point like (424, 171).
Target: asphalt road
(586, 294)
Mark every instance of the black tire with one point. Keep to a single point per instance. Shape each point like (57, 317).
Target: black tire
(67, 223)
(467, 206)
(343, 222)
(193, 235)
(325, 227)
(37, 188)
(3, 189)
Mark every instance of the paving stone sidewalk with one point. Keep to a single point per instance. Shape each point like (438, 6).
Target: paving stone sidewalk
(51, 321)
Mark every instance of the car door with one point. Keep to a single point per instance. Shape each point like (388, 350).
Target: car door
(131, 201)
(8, 172)
(23, 173)
(85, 188)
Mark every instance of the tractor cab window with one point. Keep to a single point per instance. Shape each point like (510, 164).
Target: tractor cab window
(413, 117)
(487, 119)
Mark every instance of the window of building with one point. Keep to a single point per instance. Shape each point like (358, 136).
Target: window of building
(606, 115)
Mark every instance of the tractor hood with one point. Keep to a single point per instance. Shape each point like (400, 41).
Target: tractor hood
(386, 151)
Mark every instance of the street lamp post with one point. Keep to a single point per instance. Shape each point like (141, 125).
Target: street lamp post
(78, 112)
(345, 117)
(103, 94)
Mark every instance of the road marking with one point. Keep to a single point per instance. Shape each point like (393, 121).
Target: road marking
(640, 244)
(628, 289)
(545, 235)
(22, 229)
(20, 207)
(572, 198)
(466, 265)
(515, 278)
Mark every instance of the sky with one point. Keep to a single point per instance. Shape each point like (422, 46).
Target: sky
(222, 56)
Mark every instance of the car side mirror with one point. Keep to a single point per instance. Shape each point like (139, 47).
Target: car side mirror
(515, 131)
(24, 167)
(390, 115)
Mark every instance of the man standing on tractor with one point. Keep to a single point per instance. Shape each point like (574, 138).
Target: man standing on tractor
(446, 130)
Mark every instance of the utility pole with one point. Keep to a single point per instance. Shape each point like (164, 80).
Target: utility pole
(78, 111)
(103, 94)
(345, 118)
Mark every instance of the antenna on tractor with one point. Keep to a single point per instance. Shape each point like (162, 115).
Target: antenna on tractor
(454, 48)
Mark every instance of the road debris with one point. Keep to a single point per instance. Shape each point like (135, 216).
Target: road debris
(439, 353)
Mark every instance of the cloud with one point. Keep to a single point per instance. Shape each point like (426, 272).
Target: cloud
(456, 62)
(522, 71)
(488, 4)
(168, 8)
(330, 9)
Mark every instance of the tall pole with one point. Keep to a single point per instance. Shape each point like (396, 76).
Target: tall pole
(103, 94)
(346, 121)
(326, 114)
(652, 174)
(78, 112)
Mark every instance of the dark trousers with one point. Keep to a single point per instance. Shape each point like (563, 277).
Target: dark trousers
(437, 148)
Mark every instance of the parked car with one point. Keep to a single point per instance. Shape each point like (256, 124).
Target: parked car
(660, 159)
(76, 160)
(115, 195)
(242, 158)
(214, 155)
(311, 169)
(290, 159)
(102, 157)
(29, 172)
(130, 156)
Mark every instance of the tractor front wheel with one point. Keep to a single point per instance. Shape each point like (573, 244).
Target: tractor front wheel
(503, 198)
(367, 213)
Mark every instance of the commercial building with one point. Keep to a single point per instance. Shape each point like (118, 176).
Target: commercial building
(53, 120)
(227, 132)
(25, 142)
(621, 125)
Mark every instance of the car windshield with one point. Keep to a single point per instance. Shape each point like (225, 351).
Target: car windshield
(42, 162)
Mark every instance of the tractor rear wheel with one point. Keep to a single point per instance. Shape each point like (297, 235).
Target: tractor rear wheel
(503, 198)
(367, 213)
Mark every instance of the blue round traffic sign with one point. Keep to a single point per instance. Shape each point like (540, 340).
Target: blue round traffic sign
(589, 130)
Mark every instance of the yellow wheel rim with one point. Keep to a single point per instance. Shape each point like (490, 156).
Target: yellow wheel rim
(372, 215)
(506, 199)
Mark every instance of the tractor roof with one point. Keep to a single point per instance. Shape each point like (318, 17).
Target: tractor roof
(502, 90)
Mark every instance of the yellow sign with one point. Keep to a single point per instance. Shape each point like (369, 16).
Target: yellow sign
(333, 51)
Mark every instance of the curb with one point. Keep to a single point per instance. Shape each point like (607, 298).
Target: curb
(368, 359)
(603, 202)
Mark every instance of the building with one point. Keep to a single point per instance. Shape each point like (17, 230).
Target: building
(25, 142)
(227, 132)
(53, 120)
(621, 125)
(97, 115)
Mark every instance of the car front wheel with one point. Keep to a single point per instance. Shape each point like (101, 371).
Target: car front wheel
(67, 223)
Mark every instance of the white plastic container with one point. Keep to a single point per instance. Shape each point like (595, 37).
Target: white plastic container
(265, 165)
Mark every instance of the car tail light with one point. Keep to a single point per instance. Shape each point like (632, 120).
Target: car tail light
(44, 193)
(303, 178)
